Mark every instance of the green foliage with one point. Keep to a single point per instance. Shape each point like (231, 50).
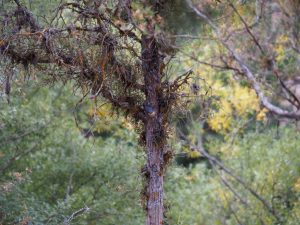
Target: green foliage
(49, 170)
(267, 164)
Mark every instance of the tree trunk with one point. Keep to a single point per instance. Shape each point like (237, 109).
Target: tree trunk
(155, 190)
(154, 132)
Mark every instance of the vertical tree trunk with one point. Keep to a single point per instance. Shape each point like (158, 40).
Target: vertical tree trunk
(154, 132)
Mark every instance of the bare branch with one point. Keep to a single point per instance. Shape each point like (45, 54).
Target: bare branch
(246, 26)
(246, 70)
(76, 214)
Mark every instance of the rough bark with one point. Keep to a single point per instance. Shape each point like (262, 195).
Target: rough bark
(154, 132)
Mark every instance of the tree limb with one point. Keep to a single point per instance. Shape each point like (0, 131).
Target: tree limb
(246, 70)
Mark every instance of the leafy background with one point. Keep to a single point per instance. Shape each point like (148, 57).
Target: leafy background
(60, 154)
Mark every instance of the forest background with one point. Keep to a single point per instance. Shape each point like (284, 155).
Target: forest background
(65, 159)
